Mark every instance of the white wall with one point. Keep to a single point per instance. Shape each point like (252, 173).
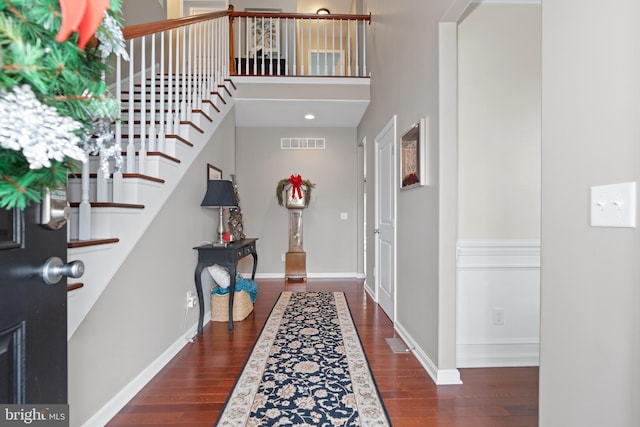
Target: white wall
(330, 243)
(141, 313)
(590, 330)
(498, 265)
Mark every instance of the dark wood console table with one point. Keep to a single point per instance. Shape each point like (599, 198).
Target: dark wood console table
(228, 257)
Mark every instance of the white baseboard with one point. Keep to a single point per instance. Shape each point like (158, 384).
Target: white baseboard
(370, 291)
(117, 402)
(347, 275)
(439, 376)
(498, 354)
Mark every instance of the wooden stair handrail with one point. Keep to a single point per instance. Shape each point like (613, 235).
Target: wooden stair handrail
(140, 30)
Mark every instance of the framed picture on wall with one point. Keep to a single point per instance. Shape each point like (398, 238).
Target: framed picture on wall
(213, 172)
(412, 157)
(264, 33)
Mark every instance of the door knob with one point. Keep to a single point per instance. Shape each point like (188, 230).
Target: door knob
(54, 270)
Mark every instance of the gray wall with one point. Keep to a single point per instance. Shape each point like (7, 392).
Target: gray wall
(142, 11)
(499, 122)
(330, 243)
(403, 60)
(590, 327)
(142, 311)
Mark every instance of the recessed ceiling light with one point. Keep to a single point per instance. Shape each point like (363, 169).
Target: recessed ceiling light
(309, 116)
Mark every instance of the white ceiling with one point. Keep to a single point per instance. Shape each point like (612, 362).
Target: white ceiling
(284, 101)
(334, 6)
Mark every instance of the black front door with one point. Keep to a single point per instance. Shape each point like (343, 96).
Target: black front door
(33, 314)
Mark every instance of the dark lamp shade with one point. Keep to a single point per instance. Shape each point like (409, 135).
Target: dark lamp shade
(220, 193)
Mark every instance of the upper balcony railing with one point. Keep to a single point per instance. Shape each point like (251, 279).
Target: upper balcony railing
(297, 44)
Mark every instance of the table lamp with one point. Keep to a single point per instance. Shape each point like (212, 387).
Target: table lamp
(220, 194)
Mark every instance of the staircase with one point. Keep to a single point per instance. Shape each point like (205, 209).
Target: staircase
(174, 92)
(170, 111)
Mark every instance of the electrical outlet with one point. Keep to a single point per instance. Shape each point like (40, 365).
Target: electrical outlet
(498, 316)
(192, 301)
(284, 258)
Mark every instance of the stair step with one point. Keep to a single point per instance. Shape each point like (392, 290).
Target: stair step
(182, 122)
(108, 205)
(124, 176)
(125, 112)
(225, 89)
(74, 243)
(149, 153)
(125, 138)
(74, 286)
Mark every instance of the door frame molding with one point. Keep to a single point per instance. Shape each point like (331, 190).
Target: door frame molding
(392, 123)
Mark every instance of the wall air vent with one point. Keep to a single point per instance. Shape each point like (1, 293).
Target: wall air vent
(302, 143)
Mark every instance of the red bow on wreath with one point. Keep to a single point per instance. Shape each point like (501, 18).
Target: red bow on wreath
(296, 182)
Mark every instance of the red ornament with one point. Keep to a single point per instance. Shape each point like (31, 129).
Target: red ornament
(72, 12)
(91, 20)
(83, 16)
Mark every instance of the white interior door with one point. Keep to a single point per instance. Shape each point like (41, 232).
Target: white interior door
(385, 215)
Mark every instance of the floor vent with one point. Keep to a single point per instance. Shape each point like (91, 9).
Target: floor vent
(397, 345)
(302, 143)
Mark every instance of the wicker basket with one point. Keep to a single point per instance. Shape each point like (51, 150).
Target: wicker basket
(242, 307)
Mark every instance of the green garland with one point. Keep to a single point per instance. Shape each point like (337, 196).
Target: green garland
(60, 75)
(284, 183)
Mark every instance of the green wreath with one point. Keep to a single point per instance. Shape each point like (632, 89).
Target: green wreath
(284, 183)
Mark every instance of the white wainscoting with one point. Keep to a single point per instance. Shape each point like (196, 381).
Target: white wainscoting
(498, 280)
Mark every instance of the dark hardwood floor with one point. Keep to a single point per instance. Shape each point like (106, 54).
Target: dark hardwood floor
(192, 389)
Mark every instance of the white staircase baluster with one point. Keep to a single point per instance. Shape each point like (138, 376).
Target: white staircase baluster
(188, 94)
(117, 184)
(169, 130)
(117, 174)
(199, 67)
(152, 89)
(364, 48)
(84, 211)
(210, 62)
(333, 46)
(346, 64)
(152, 137)
(160, 146)
(183, 77)
(131, 148)
(349, 47)
(357, 57)
(101, 182)
(142, 152)
(169, 118)
(295, 50)
(176, 125)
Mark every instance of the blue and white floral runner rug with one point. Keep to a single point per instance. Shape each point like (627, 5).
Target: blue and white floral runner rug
(307, 368)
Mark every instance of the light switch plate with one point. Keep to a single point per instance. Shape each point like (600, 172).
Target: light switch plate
(614, 205)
